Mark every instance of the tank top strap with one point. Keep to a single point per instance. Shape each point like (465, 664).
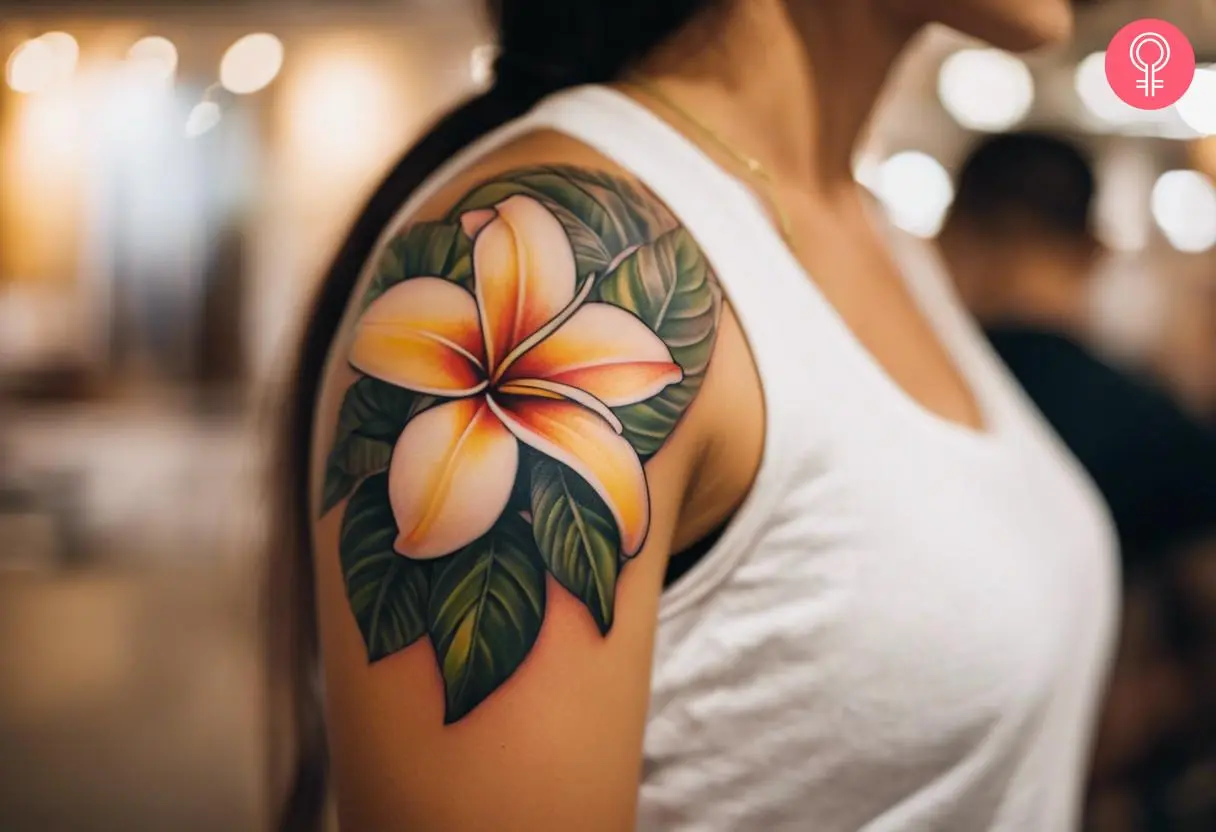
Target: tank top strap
(736, 238)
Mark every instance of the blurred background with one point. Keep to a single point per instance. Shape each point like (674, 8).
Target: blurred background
(175, 176)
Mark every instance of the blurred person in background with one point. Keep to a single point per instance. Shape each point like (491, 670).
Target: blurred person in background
(643, 489)
(1020, 244)
(1019, 241)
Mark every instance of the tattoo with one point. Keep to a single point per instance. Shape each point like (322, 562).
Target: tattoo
(520, 361)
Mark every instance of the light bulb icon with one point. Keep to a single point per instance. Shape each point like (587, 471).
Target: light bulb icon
(1150, 82)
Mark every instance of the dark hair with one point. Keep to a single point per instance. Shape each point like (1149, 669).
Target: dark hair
(1025, 180)
(544, 46)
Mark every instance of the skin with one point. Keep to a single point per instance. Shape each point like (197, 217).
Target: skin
(1007, 24)
(558, 745)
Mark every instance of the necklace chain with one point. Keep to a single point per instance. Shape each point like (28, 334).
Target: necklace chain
(751, 164)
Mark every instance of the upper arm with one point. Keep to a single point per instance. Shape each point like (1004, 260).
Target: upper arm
(502, 457)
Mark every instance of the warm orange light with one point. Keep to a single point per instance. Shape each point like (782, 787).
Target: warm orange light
(31, 67)
(43, 62)
(340, 106)
(66, 53)
(41, 163)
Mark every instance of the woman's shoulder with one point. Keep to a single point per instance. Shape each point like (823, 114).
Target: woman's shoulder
(536, 230)
(524, 342)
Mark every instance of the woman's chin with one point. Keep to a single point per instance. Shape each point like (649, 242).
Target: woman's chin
(1013, 25)
(1047, 29)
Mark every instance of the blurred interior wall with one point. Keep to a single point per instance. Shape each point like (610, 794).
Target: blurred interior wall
(351, 104)
(268, 191)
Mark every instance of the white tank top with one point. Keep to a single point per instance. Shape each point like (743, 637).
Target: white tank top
(907, 623)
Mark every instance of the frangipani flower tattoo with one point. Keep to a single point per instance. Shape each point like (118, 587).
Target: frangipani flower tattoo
(519, 361)
(522, 358)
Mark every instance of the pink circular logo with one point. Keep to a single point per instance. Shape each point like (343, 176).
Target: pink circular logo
(1150, 64)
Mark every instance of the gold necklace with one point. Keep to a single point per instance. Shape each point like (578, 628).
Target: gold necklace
(751, 164)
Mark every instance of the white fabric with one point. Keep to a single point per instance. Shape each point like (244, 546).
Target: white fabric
(906, 625)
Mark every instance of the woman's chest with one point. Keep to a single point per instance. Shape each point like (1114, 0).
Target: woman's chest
(908, 599)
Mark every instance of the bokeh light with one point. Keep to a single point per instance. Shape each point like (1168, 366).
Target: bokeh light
(1183, 204)
(43, 62)
(203, 118)
(154, 55)
(1197, 108)
(1096, 94)
(916, 191)
(985, 89)
(340, 105)
(251, 63)
(66, 53)
(31, 67)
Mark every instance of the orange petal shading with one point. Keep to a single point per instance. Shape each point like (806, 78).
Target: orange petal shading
(524, 273)
(577, 437)
(605, 351)
(422, 334)
(451, 476)
(545, 389)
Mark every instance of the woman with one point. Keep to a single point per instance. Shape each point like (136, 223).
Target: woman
(649, 325)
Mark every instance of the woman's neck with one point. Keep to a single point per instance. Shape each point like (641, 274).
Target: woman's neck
(790, 87)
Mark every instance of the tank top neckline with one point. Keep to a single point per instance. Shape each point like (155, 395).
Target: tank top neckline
(934, 615)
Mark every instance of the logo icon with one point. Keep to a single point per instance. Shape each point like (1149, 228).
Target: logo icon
(1150, 83)
(1150, 64)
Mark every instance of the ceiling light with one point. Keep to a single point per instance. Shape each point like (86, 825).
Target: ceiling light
(1096, 94)
(251, 63)
(32, 67)
(1197, 107)
(1183, 203)
(155, 55)
(66, 52)
(916, 191)
(985, 89)
(204, 116)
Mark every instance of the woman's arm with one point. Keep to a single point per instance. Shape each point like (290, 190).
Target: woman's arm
(503, 458)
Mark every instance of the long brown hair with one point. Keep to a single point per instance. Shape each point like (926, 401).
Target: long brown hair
(544, 46)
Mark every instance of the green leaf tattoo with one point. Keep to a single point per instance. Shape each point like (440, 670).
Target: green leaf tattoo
(520, 360)
(577, 537)
(669, 285)
(388, 593)
(485, 613)
(428, 249)
(373, 415)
